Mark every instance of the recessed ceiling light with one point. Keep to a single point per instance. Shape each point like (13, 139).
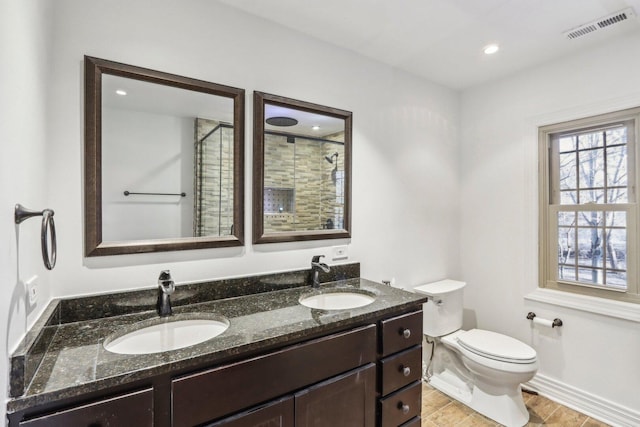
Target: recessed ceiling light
(316, 127)
(491, 49)
(121, 92)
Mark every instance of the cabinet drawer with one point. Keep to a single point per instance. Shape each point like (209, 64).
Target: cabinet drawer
(133, 409)
(400, 369)
(401, 406)
(401, 332)
(212, 394)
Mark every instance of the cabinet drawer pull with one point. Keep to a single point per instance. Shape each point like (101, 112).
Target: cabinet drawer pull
(406, 333)
(405, 408)
(406, 371)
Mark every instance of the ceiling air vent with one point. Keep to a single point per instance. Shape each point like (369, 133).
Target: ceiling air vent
(599, 24)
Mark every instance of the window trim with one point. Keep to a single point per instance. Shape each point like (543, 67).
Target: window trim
(547, 248)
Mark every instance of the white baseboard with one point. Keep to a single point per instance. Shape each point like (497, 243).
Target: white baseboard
(582, 401)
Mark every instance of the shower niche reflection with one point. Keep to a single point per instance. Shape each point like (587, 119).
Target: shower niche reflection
(301, 170)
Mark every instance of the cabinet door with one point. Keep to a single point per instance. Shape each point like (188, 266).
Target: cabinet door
(273, 414)
(134, 409)
(344, 401)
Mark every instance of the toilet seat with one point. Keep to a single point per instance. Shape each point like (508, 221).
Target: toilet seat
(495, 346)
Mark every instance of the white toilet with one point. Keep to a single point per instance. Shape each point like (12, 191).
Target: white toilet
(481, 369)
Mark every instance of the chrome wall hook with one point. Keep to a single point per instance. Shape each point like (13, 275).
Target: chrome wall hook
(48, 228)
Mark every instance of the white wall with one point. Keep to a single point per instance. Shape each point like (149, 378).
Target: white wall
(592, 355)
(24, 66)
(404, 140)
(147, 152)
(414, 187)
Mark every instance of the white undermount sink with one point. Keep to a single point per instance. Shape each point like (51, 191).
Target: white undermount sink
(335, 300)
(166, 334)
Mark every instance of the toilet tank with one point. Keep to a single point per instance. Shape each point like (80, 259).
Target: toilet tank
(442, 314)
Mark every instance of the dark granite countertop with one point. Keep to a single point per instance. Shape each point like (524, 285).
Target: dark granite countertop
(75, 361)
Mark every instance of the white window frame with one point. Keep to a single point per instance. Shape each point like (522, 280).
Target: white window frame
(548, 214)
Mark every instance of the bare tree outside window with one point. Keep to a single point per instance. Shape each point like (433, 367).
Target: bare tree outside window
(592, 174)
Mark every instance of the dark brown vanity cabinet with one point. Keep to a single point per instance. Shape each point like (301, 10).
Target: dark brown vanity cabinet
(366, 376)
(399, 369)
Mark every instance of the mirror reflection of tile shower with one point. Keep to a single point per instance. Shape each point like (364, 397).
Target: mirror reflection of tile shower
(213, 178)
(303, 182)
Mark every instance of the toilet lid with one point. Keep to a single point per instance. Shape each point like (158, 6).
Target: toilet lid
(496, 346)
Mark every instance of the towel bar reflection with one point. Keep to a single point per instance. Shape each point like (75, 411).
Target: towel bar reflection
(183, 194)
(47, 229)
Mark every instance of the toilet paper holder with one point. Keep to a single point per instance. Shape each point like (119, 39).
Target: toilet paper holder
(554, 323)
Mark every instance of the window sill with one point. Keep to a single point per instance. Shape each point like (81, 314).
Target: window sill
(617, 309)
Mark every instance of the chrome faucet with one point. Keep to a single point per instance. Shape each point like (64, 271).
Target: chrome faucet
(166, 286)
(316, 266)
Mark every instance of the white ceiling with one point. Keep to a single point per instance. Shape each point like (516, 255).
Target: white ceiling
(165, 100)
(153, 98)
(442, 40)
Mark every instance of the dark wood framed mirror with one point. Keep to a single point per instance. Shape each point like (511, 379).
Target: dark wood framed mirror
(164, 161)
(301, 170)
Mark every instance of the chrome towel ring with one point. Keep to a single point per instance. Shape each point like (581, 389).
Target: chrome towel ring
(48, 228)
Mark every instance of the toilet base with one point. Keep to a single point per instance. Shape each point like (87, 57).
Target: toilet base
(506, 408)
(452, 386)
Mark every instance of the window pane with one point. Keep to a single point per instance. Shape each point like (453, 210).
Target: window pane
(616, 249)
(566, 245)
(616, 219)
(592, 196)
(568, 197)
(589, 218)
(617, 135)
(566, 248)
(568, 171)
(590, 247)
(617, 280)
(591, 168)
(590, 140)
(617, 195)
(566, 273)
(590, 276)
(617, 166)
(566, 218)
(567, 143)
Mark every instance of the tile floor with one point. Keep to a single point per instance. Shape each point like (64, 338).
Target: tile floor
(440, 410)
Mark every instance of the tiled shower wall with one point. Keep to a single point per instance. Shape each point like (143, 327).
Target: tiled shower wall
(213, 206)
(299, 171)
